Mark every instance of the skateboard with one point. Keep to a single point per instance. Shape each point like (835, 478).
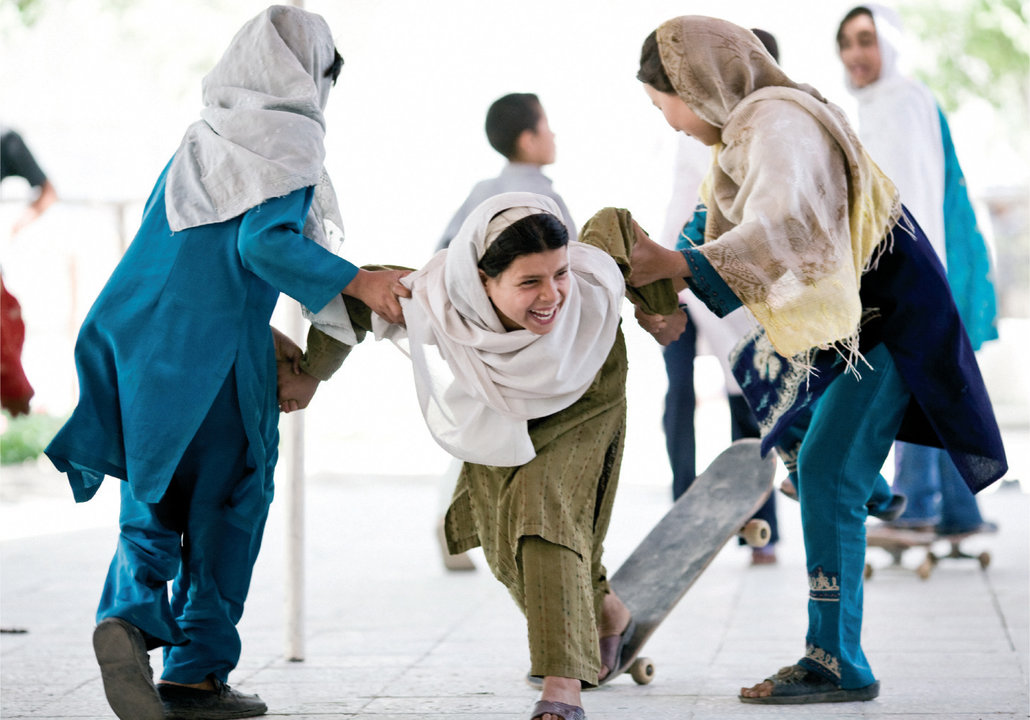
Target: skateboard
(896, 541)
(716, 508)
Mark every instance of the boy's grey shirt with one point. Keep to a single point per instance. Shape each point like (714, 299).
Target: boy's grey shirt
(514, 177)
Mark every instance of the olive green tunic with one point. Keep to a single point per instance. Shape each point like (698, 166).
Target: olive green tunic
(562, 496)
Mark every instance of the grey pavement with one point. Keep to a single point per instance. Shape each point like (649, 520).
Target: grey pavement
(388, 633)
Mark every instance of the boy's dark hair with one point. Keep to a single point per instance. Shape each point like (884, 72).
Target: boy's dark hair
(333, 71)
(510, 116)
(532, 234)
(651, 71)
(852, 14)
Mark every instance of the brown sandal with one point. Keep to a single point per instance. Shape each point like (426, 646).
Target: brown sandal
(562, 710)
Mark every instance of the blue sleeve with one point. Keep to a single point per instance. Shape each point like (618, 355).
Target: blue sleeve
(693, 233)
(704, 281)
(708, 285)
(273, 247)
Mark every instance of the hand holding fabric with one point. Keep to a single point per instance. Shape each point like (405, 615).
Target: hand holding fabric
(651, 262)
(295, 388)
(664, 328)
(287, 351)
(381, 290)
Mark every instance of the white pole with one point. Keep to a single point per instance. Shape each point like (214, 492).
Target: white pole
(295, 526)
(295, 518)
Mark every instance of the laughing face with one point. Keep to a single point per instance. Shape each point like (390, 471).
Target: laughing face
(529, 294)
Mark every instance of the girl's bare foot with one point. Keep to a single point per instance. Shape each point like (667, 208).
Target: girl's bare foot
(762, 689)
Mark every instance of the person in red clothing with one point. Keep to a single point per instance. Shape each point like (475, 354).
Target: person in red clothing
(16, 160)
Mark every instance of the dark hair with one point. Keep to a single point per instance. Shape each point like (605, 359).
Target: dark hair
(509, 117)
(532, 234)
(769, 41)
(852, 14)
(333, 70)
(651, 71)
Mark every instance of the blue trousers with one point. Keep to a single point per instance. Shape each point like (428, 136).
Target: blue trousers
(937, 494)
(186, 539)
(838, 474)
(680, 404)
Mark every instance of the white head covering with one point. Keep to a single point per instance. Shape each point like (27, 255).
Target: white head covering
(262, 135)
(262, 131)
(482, 383)
(899, 125)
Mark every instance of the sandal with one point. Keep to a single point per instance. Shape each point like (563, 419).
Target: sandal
(611, 651)
(562, 710)
(795, 685)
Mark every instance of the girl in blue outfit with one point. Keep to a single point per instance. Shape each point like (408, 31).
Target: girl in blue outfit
(177, 366)
(858, 341)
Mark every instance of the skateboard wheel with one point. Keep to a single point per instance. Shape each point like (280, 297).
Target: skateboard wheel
(867, 573)
(985, 560)
(642, 671)
(757, 533)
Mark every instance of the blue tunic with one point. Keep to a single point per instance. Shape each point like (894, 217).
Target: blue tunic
(180, 312)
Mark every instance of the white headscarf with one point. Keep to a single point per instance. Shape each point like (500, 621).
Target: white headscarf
(899, 125)
(479, 384)
(262, 135)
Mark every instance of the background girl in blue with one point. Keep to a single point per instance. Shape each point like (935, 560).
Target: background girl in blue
(177, 366)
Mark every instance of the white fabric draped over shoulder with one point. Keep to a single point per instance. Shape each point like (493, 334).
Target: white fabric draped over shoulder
(479, 384)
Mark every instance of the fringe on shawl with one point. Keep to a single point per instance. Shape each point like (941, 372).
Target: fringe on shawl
(848, 348)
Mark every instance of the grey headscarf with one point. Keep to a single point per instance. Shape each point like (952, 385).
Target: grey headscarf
(262, 130)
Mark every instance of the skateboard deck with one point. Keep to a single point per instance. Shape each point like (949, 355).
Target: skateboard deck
(714, 510)
(896, 541)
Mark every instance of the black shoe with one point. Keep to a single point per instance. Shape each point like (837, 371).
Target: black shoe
(893, 511)
(125, 669)
(222, 703)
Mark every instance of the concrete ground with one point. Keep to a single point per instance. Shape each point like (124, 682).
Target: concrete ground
(388, 633)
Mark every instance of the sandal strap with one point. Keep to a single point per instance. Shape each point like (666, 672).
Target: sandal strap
(789, 675)
(568, 712)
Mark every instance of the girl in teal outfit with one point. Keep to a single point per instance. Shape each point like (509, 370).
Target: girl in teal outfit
(177, 366)
(855, 321)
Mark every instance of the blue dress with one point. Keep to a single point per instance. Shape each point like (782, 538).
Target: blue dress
(180, 312)
(177, 398)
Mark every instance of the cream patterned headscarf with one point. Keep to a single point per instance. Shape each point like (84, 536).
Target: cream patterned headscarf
(796, 209)
(479, 384)
(262, 135)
